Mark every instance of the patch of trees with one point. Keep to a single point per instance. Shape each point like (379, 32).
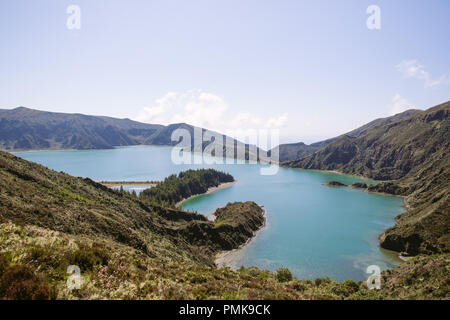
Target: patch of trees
(188, 183)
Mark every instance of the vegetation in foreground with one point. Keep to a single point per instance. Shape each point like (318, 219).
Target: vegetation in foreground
(34, 261)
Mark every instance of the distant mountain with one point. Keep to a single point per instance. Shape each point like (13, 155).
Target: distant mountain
(28, 129)
(294, 151)
(413, 154)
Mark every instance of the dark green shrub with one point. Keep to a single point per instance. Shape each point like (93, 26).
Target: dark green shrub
(308, 282)
(87, 258)
(348, 287)
(199, 293)
(298, 285)
(351, 285)
(199, 278)
(20, 283)
(264, 274)
(320, 281)
(254, 272)
(284, 275)
(4, 264)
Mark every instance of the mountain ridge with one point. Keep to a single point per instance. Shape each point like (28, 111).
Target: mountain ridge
(25, 129)
(294, 151)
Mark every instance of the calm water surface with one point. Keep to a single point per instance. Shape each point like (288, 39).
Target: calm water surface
(314, 230)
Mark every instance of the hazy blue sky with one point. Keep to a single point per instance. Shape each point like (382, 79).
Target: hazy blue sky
(311, 68)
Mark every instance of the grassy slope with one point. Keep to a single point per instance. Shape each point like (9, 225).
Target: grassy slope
(111, 270)
(413, 153)
(33, 194)
(128, 250)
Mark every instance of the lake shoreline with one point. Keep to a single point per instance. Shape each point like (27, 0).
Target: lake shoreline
(14, 151)
(251, 186)
(336, 172)
(127, 183)
(209, 191)
(405, 202)
(406, 206)
(223, 258)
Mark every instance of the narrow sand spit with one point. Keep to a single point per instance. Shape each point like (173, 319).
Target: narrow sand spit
(210, 190)
(224, 258)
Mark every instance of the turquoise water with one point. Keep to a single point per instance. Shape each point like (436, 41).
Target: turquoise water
(313, 230)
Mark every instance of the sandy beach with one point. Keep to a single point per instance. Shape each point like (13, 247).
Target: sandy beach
(224, 258)
(210, 190)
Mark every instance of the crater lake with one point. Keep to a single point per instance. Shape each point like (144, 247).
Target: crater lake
(312, 229)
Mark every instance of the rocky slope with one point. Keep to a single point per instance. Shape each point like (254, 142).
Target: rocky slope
(413, 154)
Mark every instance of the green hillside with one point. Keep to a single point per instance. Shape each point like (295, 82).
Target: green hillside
(413, 155)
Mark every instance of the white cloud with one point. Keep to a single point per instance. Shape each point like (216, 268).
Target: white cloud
(193, 107)
(204, 110)
(399, 104)
(277, 122)
(412, 69)
(245, 120)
